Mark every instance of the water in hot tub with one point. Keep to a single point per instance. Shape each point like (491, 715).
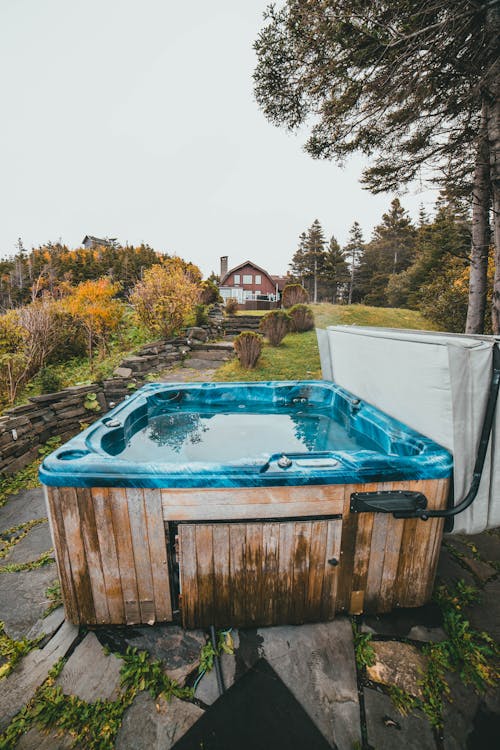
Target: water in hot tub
(186, 436)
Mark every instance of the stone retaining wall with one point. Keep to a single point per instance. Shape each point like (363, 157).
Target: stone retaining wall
(23, 429)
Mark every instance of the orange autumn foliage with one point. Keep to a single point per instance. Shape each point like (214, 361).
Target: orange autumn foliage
(93, 305)
(165, 296)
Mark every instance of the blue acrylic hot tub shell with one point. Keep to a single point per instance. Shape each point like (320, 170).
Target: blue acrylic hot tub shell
(402, 455)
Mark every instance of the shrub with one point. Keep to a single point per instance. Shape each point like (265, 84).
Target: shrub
(209, 292)
(248, 346)
(231, 305)
(275, 325)
(294, 294)
(302, 318)
(93, 305)
(49, 380)
(165, 297)
(201, 315)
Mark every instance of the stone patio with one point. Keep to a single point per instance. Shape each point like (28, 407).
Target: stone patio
(316, 662)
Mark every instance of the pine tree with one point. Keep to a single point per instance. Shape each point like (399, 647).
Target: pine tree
(440, 245)
(353, 253)
(390, 251)
(308, 260)
(298, 266)
(315, 249)
(335, 274)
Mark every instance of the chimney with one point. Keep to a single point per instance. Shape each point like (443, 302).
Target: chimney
(223, 266)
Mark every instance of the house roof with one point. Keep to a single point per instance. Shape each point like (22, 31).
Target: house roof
(247, 263)
(98, 240)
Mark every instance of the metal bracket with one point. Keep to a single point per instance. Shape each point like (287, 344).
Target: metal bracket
(401, 503)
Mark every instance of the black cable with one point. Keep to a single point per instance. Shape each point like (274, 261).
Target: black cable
(217, 664)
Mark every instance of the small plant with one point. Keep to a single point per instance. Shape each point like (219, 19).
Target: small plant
(248, 346)
(275, 325)
(470, 653)
(49, 380)
(12, 650)
(141, 673)
(294, 294)
(231, 305)
(403, 701)
(91, 403)
(363, 650)
(302, 318)
(54, 594)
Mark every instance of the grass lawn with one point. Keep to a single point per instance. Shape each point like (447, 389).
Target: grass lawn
(297, 357)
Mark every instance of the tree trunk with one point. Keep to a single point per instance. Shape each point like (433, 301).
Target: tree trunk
(480, 233)
(492, 92)
(351, 285)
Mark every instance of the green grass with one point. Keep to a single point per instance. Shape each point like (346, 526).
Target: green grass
(297, 357)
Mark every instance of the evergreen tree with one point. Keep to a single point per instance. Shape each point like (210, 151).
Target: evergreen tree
(441, 248)
(391, 251)
(353, 253)
(315, 250)
(335, 273)
(308, 260)
(298, 266)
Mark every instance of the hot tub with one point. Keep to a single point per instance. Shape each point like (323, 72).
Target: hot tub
(243, 504)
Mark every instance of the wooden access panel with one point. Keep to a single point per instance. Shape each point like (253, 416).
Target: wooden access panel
(263, 573)
(111, 554)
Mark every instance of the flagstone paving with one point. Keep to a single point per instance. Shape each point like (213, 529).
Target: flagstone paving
(315, 661)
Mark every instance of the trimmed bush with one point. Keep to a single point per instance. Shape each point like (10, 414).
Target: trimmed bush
(302, 318)
(294, 294)
(248, 346)
(231, 305)
(275, 325)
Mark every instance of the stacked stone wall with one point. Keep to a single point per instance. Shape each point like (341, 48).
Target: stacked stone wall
(23, 429)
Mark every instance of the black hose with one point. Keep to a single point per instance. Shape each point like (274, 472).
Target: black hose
(217, 664)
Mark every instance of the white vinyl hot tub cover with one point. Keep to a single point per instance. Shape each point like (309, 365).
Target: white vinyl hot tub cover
(438, 384)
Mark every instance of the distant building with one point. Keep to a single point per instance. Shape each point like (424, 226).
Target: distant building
(249, 283)
(89, 241)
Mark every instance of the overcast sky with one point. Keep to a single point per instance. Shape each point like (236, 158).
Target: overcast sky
(136, 119)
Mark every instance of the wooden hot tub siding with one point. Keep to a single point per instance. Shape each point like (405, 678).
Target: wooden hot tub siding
(114, 560)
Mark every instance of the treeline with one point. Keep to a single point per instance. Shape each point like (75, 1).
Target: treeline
(423, 266)
(50, 267)
(49, 319)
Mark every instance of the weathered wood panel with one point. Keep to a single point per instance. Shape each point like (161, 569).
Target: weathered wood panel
(124, 548)
(251, 502)
(158, 555)
(63, 558)
(72, 522)
(270, 573)
(112, 555)
(399, 562)
(109, 555)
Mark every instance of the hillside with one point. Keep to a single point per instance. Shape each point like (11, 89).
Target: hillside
(298, 358)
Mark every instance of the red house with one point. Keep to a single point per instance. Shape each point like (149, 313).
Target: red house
(250, 285)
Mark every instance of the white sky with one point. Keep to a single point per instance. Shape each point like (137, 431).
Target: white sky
(136, 119)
